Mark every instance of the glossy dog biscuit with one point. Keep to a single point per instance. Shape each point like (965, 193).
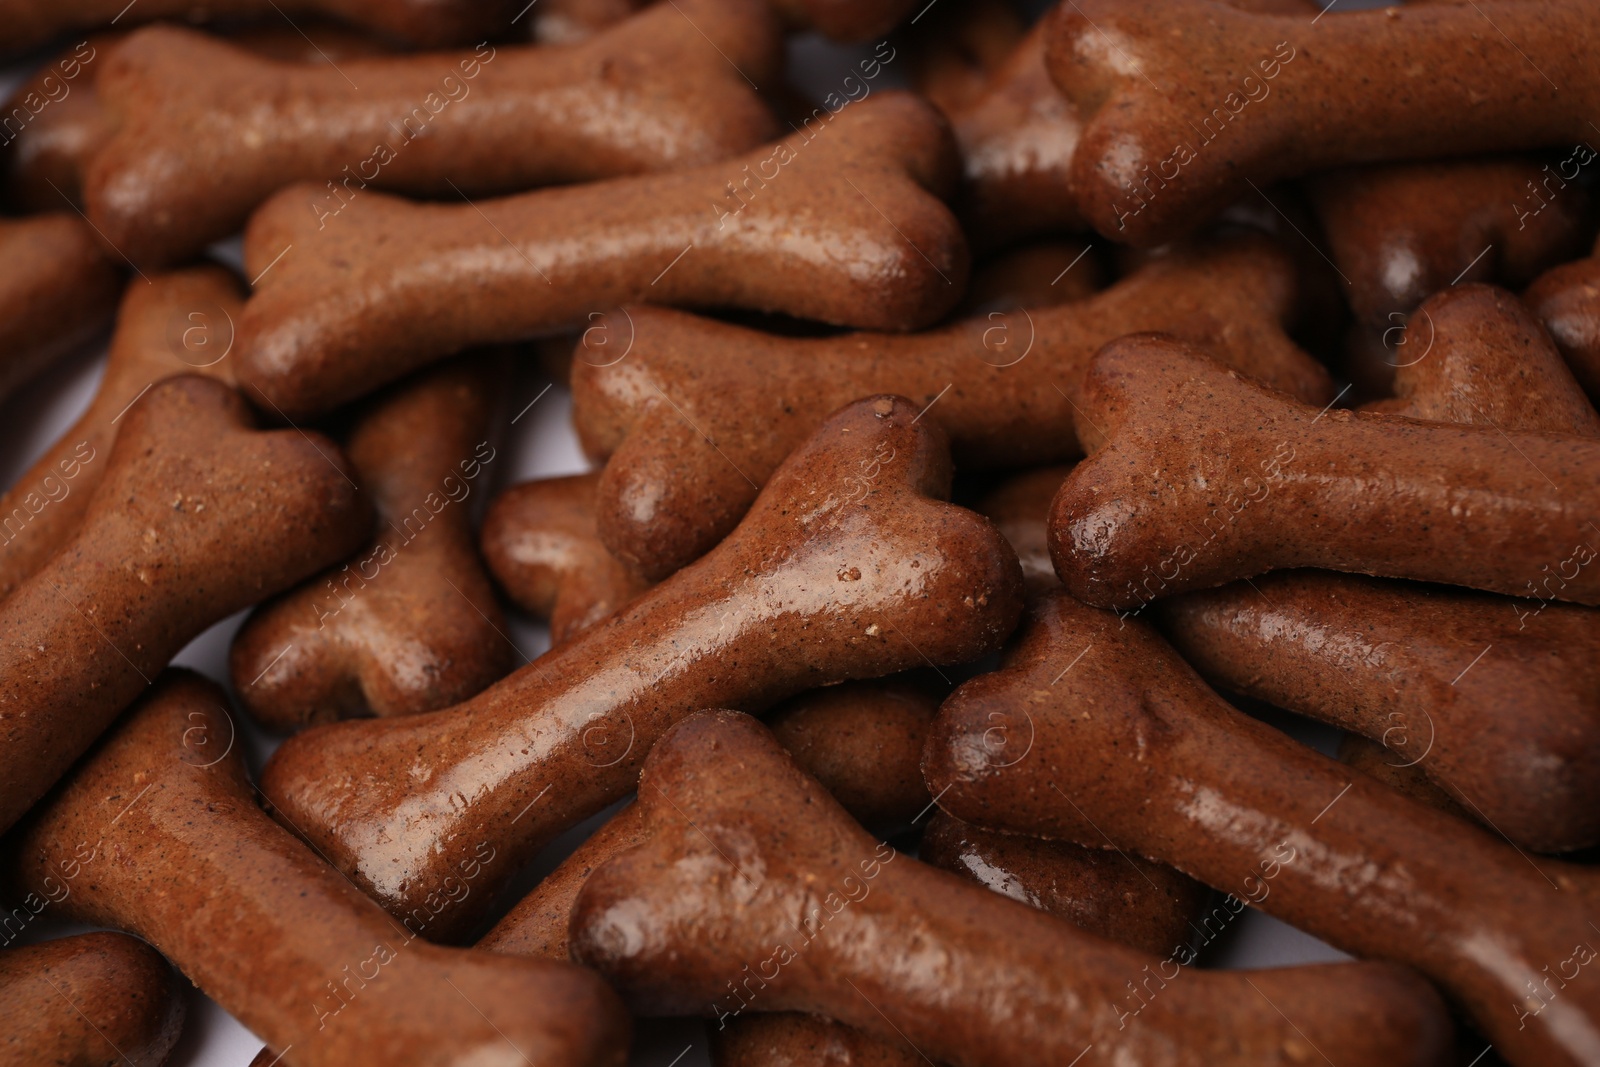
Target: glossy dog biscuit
(1444, 677)
(779, 901)
(848, 566)
(67, 123)
(541, 545)
(698, 413)
(180, 323)
(57, 291)
(1143, 755)
(206, 131)
(198, 516)
(841, 223)
(91, 1000)
(1567, 300)
(410, 623)
(1199, 101)
(1402, 232)
(158, 832)
(1381, 763)
(1205, 477)
(1129, 900)
(437, 23)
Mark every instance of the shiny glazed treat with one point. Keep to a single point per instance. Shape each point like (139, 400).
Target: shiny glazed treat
(438, 23)
(207, 131)
(1147, 757)
(198, 515)
(841, 223)
(541, 545)
(1402, 232)
(847, 553)
(1567, 300)
(1129, 900)
(1020, 507)
(1198, 100)
(1204, 477)
(175, 850)
(570, 21)
(698, 413)
(410, 623)
(57, 291)
(758, 892)
(1494, 699)
(45, 160)
(180, 323)
(93, 1000)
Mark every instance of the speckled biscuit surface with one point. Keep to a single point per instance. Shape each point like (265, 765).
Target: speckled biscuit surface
(198, 516)
(1185, 105)
(58, 288)
(842, 222)
(845, 556)
(697, 414)
(758, 892)
(159, 832)
(1128, 745)
(205, 131)
(1203, 477)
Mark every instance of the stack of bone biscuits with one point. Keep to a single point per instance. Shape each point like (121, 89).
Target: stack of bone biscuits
(1066, 481)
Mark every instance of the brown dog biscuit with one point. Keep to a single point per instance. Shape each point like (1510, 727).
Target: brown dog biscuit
(410, 623)
(158, 832)
(55, 122)
(1041, 274)
(1433, 673)
(848, 566)
(435, 23)
(541, 545)
(1402, 232)
(92, 1000)
(1146, 757)
(1567, 300)
(959, 49)
(1132, 901)
(1020, 507)
(758, 892)
(205, 132)
(1197, 101)
(697, 413)
(863, 741)
(180, 323)
(198, 516)
(57, 291)
(837, 223)
(1205, 477)
(799, 1039)
(571, 21)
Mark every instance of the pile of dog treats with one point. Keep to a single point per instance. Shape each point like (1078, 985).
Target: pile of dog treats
(980, 471)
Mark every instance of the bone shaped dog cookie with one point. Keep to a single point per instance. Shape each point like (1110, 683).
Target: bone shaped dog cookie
(780, 902)
(158, 832)
(57, 290)
(698, 413)
(99, 998)
(181, 323)
(836, 223)
(1446, 678)
(205, 131)
(846, 567)
(409, 624)
(436, 23)
(1128, 748)
(198, 516)
(1567, 300)
(1402, 232)
(1205, 477)
(1185, 106)
(541, 545)
(67, 123)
